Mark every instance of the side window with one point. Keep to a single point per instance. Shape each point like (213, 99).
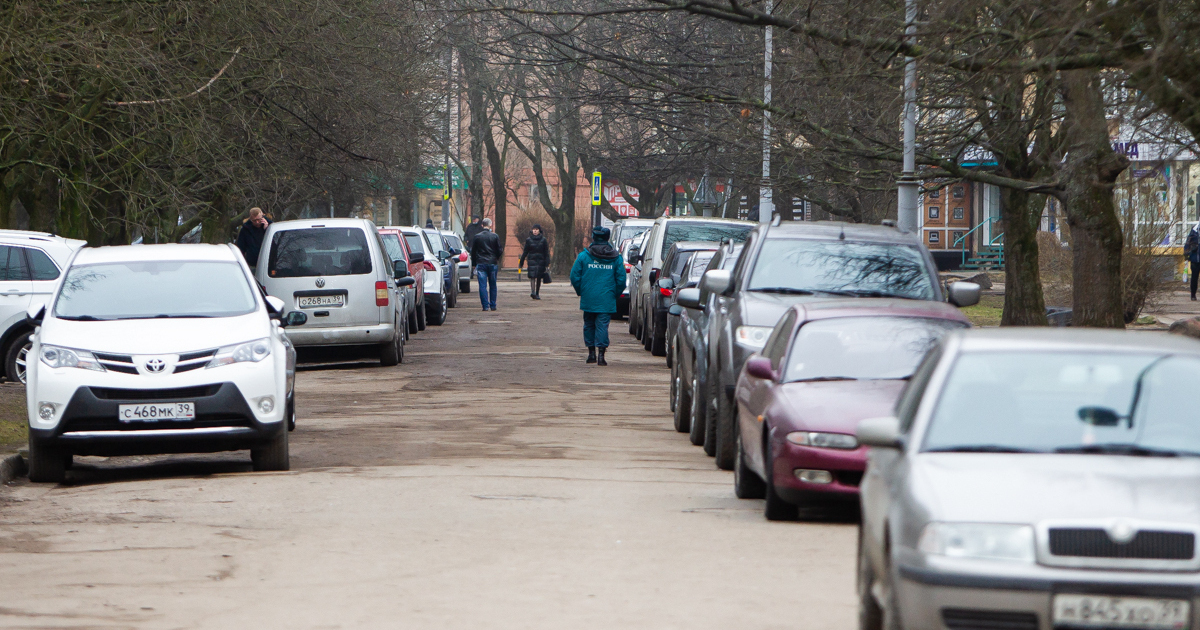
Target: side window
(40, 265)
(17, 268)
(781, 337)
(646, 243)
(740, 268)
(910, 398)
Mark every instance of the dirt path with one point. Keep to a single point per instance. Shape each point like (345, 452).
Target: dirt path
(493, 480)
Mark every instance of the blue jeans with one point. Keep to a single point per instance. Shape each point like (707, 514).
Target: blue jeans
(595, 329)
(485, 275)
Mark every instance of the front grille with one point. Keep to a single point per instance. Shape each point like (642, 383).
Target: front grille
(848, 477)
(1146, 545)
(178, 393)
(194, 360)
(968, 619)
(116, 362)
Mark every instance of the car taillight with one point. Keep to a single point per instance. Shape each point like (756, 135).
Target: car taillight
(665, 292)
(429, 266)
(381, 294)
(628, 267)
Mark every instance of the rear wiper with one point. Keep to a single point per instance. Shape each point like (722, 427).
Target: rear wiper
(83, 318)
(980, 448)
(1121, 449)
(817, 379)
(786, 290)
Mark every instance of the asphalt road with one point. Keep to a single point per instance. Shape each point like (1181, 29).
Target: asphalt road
(491, 481)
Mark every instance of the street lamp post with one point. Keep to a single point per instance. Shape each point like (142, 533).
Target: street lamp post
(906, 213)
(766, 206)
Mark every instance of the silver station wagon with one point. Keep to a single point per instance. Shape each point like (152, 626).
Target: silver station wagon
(1037, 479)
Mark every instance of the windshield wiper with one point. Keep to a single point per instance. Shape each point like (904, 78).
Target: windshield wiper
(869, 293)
(83, 318)
(981, 448)
(817, 379)
(1122, 449)
(785, 290)
(171, 316)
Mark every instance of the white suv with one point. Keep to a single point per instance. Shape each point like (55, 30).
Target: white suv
(30, 263)
(159, 349)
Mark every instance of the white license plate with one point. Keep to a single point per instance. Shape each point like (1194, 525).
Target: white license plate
(156, 412)
(317, 301)
(1102, 611)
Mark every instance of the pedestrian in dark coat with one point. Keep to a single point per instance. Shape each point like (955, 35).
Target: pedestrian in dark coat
(598, 277)
(1191, 249)
(473, 229)
(537, 254)
(488, 252)
(250, 238)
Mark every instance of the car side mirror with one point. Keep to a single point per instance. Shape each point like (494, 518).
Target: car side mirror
(964, 294)
(35, 313)
(759, 366)
(295, 318)
(717, 281)
(444, 255)
(416, 257)
(880, 432)
(406, 281)
(675, 309)
(688, 298)
(275, 307)
(632, 258)
(399, 269)
(454, 251)
(666, 283)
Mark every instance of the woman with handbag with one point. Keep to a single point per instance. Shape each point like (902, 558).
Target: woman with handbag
(537, 254)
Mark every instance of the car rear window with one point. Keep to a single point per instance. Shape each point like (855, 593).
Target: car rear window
(41, 266)
(699, 231)
(391, 243)
(319, 252)
(416, 244)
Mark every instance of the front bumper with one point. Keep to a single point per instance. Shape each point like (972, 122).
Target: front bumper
(341, 335)
(929, 595)
(847, 468)
(224, 422)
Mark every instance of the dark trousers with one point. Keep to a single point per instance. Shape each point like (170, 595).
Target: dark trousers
(485, 274)
(1195, 267)
(595, 329)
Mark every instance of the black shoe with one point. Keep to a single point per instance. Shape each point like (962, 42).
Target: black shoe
(1193, 298)
(536, 296)
(591, 354)
(493, 308)
(532, 296)
(485, 309)
(600, 358)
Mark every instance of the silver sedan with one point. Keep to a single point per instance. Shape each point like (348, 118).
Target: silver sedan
(1037, 479)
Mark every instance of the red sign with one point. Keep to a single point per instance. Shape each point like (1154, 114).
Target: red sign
(612, 192)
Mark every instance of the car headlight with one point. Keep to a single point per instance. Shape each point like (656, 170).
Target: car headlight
(823, 440)
(753, 336)
(989, 541)
(251, 351)
(57, 357)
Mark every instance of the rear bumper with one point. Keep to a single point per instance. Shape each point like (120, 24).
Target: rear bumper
(302, 336)
(223, 422)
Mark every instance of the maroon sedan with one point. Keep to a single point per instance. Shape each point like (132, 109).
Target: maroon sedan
(826, 366)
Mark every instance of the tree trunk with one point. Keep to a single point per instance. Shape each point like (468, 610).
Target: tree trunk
(1024, 304)
(1091, 169)
(499, 186)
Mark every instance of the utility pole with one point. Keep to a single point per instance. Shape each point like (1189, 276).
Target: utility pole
(906, 213)
(766, 206)
(448, 174)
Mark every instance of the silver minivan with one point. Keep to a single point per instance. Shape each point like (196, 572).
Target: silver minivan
(337, 271)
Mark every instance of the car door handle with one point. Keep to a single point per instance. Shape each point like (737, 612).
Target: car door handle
(14, 293)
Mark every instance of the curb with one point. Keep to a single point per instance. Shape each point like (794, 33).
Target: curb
(11, 467)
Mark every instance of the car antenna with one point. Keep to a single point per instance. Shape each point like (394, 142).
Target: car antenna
(842, 234)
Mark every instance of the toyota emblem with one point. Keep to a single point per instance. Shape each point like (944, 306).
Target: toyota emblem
(320, 282)
(154, 366)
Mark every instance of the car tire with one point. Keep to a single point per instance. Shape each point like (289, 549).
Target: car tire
(636, 324)
(412, 323)
(464, 286)
(46, 463)
(451, 296)
(776, 509)
(422, 316)
(674, 388)
(392, 352)
(629, 316)
(683, 407)
(670, 354)
(696, 424)
(14, 359)
(870, 614)
(710, 426)
(273, 456)
(291, 412)
(647, 333)
(746, 483)
(658, 340)
(436, 313)
(725, 447)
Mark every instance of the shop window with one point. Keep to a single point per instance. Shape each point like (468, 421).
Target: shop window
(933, 212)
(959, 213)
(959, 192)
(934, 237)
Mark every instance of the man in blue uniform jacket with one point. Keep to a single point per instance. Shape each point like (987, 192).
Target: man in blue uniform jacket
(598, 276)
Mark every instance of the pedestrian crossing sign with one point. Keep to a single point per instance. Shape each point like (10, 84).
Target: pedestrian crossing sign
(596, 190)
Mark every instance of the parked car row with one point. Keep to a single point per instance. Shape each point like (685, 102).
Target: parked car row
(189, 348)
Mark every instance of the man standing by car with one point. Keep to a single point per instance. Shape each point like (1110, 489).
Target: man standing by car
(471, 232)
(487, 252)
(250, 238)
(598, 277)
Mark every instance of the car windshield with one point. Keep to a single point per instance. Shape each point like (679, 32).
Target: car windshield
(154, 289)
(416, 244)
(319, 252)
(391, 243)
(852, 348)
(842, 268)
(630, 232)
(1069, 402)
(702, 231)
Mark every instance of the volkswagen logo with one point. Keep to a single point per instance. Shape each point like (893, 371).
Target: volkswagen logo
(1122, 532)
(154, 366)
(320, 282)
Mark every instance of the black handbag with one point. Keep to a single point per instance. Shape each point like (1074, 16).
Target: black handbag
(546, 277)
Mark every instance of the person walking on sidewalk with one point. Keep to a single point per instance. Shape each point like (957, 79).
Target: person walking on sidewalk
(596, 274)
(487, 252)
(1191, 249)
(537, 254)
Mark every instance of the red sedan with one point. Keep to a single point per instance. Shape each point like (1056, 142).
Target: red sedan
(826, 366)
